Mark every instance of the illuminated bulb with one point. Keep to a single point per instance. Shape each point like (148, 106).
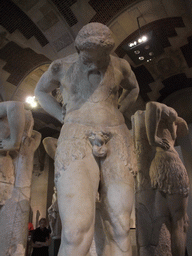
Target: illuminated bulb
(144, 38)
(141, 58)
(34, 104)
(31, 100)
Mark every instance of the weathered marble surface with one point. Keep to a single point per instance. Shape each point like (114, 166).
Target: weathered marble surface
(95, 148)
(162, 182)
(14, 214)
(10, 139)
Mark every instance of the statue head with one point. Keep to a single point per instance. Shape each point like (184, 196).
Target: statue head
(94, 36)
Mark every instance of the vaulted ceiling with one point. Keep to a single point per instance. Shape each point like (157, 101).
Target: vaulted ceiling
(33, 33)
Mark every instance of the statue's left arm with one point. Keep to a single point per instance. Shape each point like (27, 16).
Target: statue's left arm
(130, 85)
(155, 112)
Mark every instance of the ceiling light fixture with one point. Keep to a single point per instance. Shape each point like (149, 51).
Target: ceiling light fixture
(144, 47)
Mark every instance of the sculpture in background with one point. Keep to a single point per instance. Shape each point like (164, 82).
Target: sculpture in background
(12, 113)
(161, 218)
(54, 218)
(15, 212)
(94, 148)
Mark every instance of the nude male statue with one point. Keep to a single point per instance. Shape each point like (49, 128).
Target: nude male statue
(94, 147)
(168, 174)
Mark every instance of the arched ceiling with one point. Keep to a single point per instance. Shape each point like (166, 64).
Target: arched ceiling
(33, 33)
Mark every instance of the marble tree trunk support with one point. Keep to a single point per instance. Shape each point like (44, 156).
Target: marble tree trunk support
(15, 213)
(163, 223)
(144, 197)
(95, 147)
(50, 145)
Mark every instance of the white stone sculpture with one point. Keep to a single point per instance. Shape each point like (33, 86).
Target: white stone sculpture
(162, 182)
(14, 215)
(95, 147)
(54, 218)
(10, 140)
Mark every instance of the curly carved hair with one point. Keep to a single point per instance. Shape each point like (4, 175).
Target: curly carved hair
(94, 35)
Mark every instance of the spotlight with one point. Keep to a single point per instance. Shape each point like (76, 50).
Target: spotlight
(142, 39)
(31, 101)
(132, 44)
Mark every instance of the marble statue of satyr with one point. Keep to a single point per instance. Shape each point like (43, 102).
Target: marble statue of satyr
(94, 147)
(162, 182)
(167, 172)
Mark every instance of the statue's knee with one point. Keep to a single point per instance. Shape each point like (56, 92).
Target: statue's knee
(72, 236)
(119, 231)
(181, 221)
(73, 232)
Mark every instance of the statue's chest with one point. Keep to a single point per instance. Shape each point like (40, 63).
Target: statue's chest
(92, 85)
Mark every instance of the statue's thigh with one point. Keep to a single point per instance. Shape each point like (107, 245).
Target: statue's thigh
(77, 180)
(117, 187)
(177, 205)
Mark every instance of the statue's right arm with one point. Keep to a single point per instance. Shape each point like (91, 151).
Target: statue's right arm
(49, 81)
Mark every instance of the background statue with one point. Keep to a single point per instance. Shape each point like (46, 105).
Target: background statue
(167, 192)
(54, 218)
(14, 215)
(94, 149)
(12, 113)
